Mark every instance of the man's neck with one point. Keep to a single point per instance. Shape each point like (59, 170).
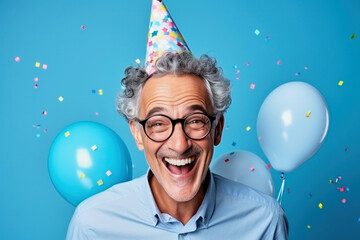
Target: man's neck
(182, 211)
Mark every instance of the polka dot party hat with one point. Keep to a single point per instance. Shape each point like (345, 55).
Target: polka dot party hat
(164, 36)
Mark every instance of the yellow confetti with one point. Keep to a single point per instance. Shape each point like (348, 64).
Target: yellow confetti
(37, 64)
(341, 82)
(67, 134)
(82, 175)
(248, 128)
(330, 181)
(100, 91)
(94, 147)
(308, 114)
(321, 205)
(61, 99)
(308, 226)
(100, 182)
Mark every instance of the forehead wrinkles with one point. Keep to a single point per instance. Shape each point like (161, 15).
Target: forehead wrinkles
(173, 91)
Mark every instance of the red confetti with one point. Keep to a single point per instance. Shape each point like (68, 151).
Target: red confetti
(343, 200)
(82, 27)
(227, 160)
(268, 166)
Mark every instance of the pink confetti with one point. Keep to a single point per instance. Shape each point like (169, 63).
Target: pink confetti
(278, 62)
(237, 71)
(36, 79)
(44, 66)
(342, 189)
(36, 86)
(82, 27)
(17, 59)
(339, 177)
(252, 168)
(247, 64)
(346, 149)
(252, 86)
(44, 113)
(108, 172)
(268, 166)
(343, 200)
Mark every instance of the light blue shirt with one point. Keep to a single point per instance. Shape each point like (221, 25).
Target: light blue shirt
(230, 210)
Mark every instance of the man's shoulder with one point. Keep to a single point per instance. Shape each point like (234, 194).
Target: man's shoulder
(115, 196)
(231, 189)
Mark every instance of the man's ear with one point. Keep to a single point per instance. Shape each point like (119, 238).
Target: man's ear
(218, 130)
(135, 130)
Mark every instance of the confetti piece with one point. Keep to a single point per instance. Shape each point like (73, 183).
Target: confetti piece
(259, 138)
(308, 114)
(252, 169)
(44, 113)
(36, 79)
(226, 160)
(252, 86)
(237, 77)
(346, 149)
(83, 27)
(257, 32)
(61, 99)
(67, 134)
(278, 62)
(248, 128)
(100, 91)
(38, 135)
(306, 68)
(267, 38)
(247, 64)
(96, 113)
(82, 175)
(297, 74)
(339, 177)
(341, 82)
(93, 91)
(343, 200)
(237, 71)
(108, 172)
(308, 226)
(268, 165)
(235, 67)
(352, 36)
(288, 190)
(94, 148)
(44, 66)
(36, 86)
(45, 130)
(232, 153)
(100, 182)
(321, 205)
(342, 189)
(137, 61)
(17, 59)
(37, 64)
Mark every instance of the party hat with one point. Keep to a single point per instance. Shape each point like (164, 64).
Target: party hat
(164, 36)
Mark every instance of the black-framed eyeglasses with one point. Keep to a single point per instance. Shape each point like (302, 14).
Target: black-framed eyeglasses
(159, 127)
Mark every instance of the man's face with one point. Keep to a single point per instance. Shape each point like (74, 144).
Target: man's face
(177, 96)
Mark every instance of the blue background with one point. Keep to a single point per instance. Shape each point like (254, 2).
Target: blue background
(310, 38)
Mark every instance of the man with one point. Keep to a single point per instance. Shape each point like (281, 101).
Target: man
(176, 117)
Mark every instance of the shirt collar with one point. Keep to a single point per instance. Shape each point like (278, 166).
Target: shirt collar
(204, 212)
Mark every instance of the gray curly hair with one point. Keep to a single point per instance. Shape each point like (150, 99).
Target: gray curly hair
(175, 63)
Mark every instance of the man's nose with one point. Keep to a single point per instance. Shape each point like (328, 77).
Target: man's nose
(178, 141)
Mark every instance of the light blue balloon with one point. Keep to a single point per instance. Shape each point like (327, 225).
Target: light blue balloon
(86, 158)
(246, 168)
(292, 124)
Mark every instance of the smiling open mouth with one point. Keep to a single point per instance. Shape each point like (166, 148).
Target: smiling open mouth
(179, 166)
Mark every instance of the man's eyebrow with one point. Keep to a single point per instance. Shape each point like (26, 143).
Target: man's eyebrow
(197, 107)
(154, 110)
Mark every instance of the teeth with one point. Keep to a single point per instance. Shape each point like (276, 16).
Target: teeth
(180, 162)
